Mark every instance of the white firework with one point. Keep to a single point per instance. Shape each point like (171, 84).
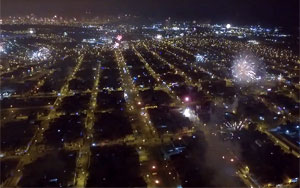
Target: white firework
(244, 70)
(41, 54)
(235, 126)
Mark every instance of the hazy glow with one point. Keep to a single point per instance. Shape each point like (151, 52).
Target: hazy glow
(158, 36)
(228, 26)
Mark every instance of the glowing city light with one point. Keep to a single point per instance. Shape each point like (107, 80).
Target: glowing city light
(253, 41)
(228, 26)
(125, 96)
(31, 30)
(159, 36)
(1, 48)
(280, 77)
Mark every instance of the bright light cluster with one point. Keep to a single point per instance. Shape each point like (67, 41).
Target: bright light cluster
(244, 70)
(119, 37)
(200, 58)
(158, 36)
(187, 112)
(116, 45)
(228, 26)
(235, 126)
(41, 54)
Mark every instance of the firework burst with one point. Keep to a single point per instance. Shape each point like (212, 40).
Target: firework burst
(42, 53)
(244, 70)
(236, 126)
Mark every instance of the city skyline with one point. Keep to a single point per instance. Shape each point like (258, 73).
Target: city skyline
(266, 12)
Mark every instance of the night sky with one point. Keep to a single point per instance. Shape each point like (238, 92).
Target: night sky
(265, 12)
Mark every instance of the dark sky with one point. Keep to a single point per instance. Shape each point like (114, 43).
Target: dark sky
(266, 12)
